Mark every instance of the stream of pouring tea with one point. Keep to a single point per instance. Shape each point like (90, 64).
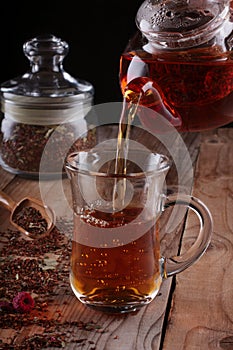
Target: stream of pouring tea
(128, 114)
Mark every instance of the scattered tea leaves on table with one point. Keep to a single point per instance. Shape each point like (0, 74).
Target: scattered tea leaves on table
(39, 269)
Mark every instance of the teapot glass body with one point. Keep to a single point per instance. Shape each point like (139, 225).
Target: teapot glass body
(180, 63)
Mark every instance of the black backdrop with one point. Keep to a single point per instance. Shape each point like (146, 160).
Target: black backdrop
(96, 31)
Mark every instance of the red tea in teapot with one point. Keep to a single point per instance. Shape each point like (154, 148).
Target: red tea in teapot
(180, 64)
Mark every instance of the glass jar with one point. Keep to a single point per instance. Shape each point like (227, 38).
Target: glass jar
(180, 63)
(45, 105)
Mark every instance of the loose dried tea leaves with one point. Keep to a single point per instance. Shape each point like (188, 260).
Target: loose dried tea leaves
(23, 268)
(22, 150)
(27, 266)
(30, 219)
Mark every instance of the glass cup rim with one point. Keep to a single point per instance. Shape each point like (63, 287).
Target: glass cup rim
(73, 164)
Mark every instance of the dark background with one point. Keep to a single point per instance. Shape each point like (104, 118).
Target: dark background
(97, 33)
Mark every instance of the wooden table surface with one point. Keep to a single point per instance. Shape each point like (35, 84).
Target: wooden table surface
(193, 310)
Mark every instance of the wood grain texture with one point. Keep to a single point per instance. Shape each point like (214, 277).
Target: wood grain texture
(139, 331)
(202, 313)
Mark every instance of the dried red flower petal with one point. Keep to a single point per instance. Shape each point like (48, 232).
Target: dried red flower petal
(23, 302)
(5, 306)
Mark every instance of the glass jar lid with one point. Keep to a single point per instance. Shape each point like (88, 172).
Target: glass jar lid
(38, 95)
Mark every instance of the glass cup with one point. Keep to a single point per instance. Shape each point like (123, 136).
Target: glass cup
(116, 265)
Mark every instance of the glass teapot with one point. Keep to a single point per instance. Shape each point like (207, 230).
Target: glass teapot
(180, 63)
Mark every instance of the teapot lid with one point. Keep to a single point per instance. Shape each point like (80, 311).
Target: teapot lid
(176, 24)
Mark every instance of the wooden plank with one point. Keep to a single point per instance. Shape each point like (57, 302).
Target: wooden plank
(202, 313)
(5, 178)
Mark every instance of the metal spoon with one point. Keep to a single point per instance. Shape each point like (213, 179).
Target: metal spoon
(16, 207)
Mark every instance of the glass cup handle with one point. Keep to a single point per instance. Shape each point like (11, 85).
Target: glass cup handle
(173, 265)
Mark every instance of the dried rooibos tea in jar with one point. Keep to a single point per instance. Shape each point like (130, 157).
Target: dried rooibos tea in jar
(45, 112)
